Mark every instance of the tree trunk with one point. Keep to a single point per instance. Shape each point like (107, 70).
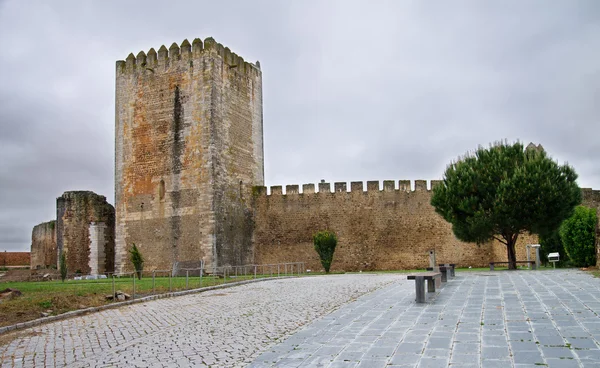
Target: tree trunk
(511, 253)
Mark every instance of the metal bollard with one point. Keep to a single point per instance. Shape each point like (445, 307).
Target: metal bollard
(153, 282)
(114, 291)
(170, 276)
(201, 276)
(254, 271)
(278, 269)
(133, 296)
(187, 274)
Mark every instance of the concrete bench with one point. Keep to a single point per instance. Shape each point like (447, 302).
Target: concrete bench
(443, 270)
(449, 265)
(432, 279)
(532, 263)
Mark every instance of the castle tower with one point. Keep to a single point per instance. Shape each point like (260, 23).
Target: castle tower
(189, 148)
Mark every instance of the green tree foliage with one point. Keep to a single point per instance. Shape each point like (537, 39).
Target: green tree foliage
(138, 261)
(578, 234)
(551, 243)
(63, 266)
(325, 243)
(503, 191)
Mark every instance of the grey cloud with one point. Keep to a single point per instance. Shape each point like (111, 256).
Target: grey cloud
(352, 90)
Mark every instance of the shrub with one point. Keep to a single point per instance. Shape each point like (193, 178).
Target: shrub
(551, 243)
(138, 261)
(325, 243)
(578, 235)
(63, 266)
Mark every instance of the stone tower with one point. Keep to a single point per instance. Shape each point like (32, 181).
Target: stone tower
(189, 148)
(85, 224)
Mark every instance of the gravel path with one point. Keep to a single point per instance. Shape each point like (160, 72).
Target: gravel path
(220, 328)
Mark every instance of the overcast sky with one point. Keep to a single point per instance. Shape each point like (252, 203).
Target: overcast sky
(353, 90)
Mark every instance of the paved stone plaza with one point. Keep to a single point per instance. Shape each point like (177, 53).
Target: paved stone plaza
(479, 319)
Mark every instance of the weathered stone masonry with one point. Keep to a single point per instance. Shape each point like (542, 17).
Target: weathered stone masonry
(189, 148)
(377, 229)
(8, 259)
(79, 215)
(43, 245)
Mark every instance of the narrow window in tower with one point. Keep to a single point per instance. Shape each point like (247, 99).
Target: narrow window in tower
(161, 190)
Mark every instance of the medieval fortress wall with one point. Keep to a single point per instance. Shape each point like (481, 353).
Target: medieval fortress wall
(189, 176)
(85, 224)
(43, 245)
(380, 228)
(188, 149)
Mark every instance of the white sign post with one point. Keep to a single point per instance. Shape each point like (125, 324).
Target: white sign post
(553, 257)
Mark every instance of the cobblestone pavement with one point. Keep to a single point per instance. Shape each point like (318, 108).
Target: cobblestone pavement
(220, 328)
(485, 319)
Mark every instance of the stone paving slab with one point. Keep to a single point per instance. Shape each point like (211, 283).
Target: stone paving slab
(220, 328)
(478, 319)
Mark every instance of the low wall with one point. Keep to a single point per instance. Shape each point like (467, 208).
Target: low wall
(11, 259)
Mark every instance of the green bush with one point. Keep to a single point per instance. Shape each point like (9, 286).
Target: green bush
(63, 266)
(138, 261)
(325, 243)
(578, 235)
(551, 243)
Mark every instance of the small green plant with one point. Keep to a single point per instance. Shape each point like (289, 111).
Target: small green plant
(63, 266)
(46, 304)
(325, 243)
(138, 261)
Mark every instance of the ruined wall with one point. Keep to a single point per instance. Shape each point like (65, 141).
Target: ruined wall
(188, 149)
(11, 259)
(377, 229)
(43, 245)
(75, 211)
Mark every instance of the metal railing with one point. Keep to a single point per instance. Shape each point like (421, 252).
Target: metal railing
(195, 278)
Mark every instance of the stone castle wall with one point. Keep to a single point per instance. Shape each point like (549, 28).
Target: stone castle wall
(188, 150)
(378, 229)
(43, 245)
(75, 212)
(8, 259)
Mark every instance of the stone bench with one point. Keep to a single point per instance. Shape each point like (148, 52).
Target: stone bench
(451, 266)
(532, 263)
(432, 278)
(443, 270)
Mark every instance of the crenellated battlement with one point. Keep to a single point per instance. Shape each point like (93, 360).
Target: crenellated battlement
(183, 56)
(355, 187)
